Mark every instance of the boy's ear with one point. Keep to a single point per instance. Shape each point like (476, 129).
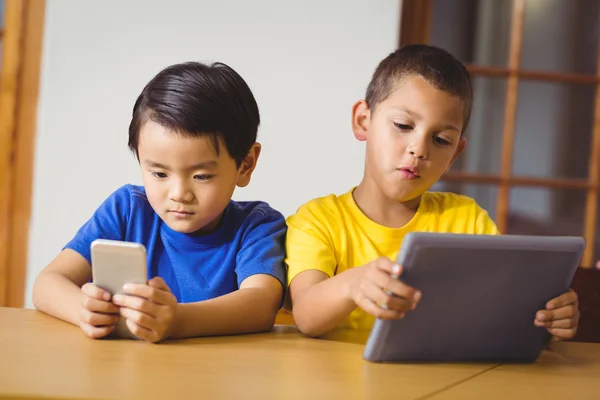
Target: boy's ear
(461, 146)
(248, 165)
(361, 117)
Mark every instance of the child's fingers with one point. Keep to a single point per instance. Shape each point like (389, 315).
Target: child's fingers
(386, 265)
(565, 323)
(91, 290)
(401, 304)
(158, 296)
(399, 288)
(96, 332)
(378, 312)
(136, 303)
(555, 339)
(563, 300)
(562, 333)
(378, 296)
(101, 306)
(158, 283)
(97, 319)
(392, 285)
(141, 332)
(569, 323)
(559, 313)
(142, 319)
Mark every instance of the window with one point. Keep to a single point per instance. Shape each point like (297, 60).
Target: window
(533, 153)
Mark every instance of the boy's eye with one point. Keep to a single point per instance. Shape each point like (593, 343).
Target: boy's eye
(403, 127)
(202, 177)
(159, 175)
(441, 141)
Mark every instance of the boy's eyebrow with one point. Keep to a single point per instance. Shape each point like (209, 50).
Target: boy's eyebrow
(452, 128)
(200, 165)
(204, 165)
(154, 164)
(411, 113)
(418, 116)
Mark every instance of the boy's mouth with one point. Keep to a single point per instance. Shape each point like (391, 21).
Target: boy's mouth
(409, 173)
(181, 213)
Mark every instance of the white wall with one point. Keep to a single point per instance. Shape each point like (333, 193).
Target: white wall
(306, 62)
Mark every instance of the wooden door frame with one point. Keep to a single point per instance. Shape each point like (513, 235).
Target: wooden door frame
(19, 85)
(415, 22)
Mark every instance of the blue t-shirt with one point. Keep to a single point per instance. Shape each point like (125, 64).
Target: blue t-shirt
(250, 240)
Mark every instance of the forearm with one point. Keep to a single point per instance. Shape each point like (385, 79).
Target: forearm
(56, 295)
(248, 310)
(325, 305)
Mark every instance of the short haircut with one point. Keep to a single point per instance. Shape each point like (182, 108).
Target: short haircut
(194, 100)
(438, 67)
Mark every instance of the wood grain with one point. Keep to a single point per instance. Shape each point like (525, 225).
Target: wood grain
(44, 357)
(510, 110)
(533, 75)
(552, 183)
(415, 22)
(24, 147)
(591, 208)
(9, 76)
(570, 372)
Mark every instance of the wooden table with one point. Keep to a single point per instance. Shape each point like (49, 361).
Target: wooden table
(570, 372)
(41, 357)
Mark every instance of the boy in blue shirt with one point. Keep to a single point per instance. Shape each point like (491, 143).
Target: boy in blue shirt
(216, 265)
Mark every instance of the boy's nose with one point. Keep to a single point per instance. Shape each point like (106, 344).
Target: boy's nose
(417, 154)
(418, 149)
(180, 194)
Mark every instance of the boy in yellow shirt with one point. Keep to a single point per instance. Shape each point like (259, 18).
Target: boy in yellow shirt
(340, 249)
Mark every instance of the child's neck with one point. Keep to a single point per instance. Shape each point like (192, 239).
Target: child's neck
(381, 209)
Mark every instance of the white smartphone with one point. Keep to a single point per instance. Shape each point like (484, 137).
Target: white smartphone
(115, 263)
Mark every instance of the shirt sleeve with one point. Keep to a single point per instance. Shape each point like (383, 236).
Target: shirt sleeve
(109, 221)
(263, 246)
(308, 244)
(484, 225)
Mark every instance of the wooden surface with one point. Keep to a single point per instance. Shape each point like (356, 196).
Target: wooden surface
(42, 357)
(284, 318)
(572, 372)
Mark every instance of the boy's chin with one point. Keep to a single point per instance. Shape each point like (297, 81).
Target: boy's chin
(413, 198)
(401, 195)
(183, 226)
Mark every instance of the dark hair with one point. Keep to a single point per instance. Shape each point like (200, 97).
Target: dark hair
(195, 99)
(438, 67)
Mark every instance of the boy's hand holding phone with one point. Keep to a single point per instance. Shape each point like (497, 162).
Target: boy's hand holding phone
(149, 309)
(98, 315)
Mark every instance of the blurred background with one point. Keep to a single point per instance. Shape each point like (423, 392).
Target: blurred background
(72, 69)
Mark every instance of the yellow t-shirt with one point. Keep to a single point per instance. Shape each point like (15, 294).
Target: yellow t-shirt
(331, 234)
